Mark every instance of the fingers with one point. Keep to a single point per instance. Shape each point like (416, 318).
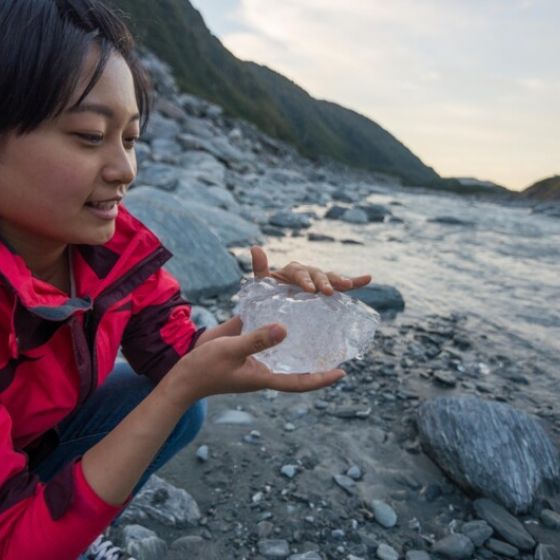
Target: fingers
(303, 382)
(259, 340)
(260, 262)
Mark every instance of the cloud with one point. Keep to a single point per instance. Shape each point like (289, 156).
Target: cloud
(445, 76)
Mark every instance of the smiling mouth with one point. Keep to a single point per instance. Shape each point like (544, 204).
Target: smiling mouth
(103, 205)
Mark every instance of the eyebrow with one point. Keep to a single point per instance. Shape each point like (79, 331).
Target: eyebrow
(99, 109)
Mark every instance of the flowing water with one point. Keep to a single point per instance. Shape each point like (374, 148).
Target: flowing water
(502, 269)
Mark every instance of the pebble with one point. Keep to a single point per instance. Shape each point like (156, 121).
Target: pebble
(289, 427)
(345, 482)
(550, 519)
(289, 471)
(274, 548)
(478, 531)
(253, 437)
(384, 514)
(202, 453)
(505, 524)
(445, 378)
(417, 555)
(354, 472)
(264, 529)
(320, 404)
(455, 547)
(386, 552)
(311, 555)
(500, 547)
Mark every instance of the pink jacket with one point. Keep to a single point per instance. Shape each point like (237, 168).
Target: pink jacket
(54, 351)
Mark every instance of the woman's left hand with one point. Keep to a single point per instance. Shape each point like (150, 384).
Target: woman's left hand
(309, 278)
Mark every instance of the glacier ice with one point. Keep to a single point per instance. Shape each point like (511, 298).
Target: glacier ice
(323, 331)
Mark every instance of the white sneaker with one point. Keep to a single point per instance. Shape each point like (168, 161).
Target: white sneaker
(103, 549)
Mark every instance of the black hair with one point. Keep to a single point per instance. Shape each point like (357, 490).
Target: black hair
(43, 47)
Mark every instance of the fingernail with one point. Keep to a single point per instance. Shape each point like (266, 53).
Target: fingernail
(276, 333)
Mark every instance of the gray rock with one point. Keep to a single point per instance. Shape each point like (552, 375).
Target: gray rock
(311, 555)
(202, 264)
(319, 237)
(148, 548)
(161, 127)
(166, 150)
(204, 167)
(195, 190)
(202, 453)
(289, 219)
(237, 417)
(550, 519)
(456, 547)
(386, 552)
(343, 195)
(489, 448)
(345, 482)
(160, 501)
(478, 531)
(160, 175)
(354, 472)
(500, 547)
(289, 471)
(202, 317)
(274, 548)
(192, 547)
(354, 216)
(135, 532)
(384, 514)
(379, 296)
(335, 212)
(505, 524)
(231, 229)
(417, 555)
(375, 212)
(450, 221)
(547, 552)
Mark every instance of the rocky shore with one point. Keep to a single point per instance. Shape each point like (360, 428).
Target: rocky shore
(355, 471)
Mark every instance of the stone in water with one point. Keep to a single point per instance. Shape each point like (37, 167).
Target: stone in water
(323, 331)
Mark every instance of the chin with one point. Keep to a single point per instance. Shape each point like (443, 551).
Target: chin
(99, 237)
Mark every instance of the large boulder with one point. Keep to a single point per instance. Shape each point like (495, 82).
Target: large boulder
(491, 449)
(233, 230)
(201, 263)
(381, 297)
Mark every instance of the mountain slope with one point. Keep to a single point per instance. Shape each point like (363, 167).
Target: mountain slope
(547, 189)
(176, 32)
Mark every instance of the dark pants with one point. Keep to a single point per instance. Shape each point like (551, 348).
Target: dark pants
(110, 403)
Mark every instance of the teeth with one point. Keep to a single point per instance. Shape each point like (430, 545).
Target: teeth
(103, 205)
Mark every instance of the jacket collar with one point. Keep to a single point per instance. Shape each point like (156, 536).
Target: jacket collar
(95, 269)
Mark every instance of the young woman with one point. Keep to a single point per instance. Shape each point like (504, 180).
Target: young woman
(80, 277)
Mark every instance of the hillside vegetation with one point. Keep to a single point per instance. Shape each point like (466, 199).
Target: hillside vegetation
(547, 189)
(176, 32)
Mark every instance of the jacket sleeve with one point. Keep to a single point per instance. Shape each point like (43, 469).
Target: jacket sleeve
(161, 330)
(58, 519)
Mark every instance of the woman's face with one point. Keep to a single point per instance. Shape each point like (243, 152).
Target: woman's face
(62, 182)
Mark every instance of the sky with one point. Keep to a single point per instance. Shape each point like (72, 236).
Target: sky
(472, 87)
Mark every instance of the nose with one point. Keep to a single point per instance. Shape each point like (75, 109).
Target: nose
(119, 166)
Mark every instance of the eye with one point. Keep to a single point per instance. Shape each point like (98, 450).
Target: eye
(130, 142)
(90, 137)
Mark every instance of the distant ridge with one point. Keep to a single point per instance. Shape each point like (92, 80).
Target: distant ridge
(546, 189)
(176, 32)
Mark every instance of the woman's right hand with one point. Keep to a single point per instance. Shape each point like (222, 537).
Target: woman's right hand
(226, 365)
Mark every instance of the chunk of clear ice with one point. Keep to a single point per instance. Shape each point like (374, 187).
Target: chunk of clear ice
(323, 331)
